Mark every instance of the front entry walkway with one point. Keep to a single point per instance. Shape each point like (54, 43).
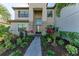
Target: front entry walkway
(34, 48)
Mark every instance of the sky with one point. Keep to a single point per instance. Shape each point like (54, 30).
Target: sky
(22, 1)
(10, 3)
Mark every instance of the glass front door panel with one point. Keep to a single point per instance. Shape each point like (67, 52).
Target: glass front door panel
(38, 23)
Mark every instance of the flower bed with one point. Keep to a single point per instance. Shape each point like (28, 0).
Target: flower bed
(53, 45)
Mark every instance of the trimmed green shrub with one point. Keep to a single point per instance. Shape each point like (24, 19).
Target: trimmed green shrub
(51, 53)
(61, 42)
(72, 50)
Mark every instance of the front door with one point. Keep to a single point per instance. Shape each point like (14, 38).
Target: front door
(37, 20)
(38, 24)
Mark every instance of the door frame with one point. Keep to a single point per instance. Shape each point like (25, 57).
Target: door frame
(39, 12)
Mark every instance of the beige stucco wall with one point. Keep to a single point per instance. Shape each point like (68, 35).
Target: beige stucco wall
(33, 6)
(50, 20)
(14, 27)
(37, 5)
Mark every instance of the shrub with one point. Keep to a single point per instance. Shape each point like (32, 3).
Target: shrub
(61, 42)
(1, 46)
(24, 39)
(51, 53)
(29, 38)
(50, 31)
(76, 42)
(49, 39)
(23, 45)
(10, 45)
(16, 53)
(71, 35)
(72, 50)
(44, 42)
(1, 39)
(19, 41)
(3, 30)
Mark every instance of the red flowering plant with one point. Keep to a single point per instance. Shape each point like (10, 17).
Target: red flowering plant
(32, 31)
(50, 29)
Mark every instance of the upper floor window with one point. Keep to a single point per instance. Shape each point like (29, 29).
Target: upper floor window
(49, 13)
(23, 14)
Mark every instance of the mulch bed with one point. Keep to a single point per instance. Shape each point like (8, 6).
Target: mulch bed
(60, 51)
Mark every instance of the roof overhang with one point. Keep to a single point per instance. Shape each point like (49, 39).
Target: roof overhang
(18, 21)
(27, 7)
(50, 7)
(20, 8)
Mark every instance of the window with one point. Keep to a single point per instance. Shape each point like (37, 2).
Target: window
(49, 13)
(23, 14)
(22, 26)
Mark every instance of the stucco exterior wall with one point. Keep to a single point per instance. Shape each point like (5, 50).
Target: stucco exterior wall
(50, 20)
(36, 5)
(69, 20)
(14, 27)
(42, 6)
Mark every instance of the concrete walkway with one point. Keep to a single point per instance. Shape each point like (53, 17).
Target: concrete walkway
(34, 48)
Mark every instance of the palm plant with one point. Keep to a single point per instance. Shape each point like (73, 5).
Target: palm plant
(4, 12)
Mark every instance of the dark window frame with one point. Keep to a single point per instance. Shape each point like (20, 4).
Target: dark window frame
(23, 14)
(49, 13)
